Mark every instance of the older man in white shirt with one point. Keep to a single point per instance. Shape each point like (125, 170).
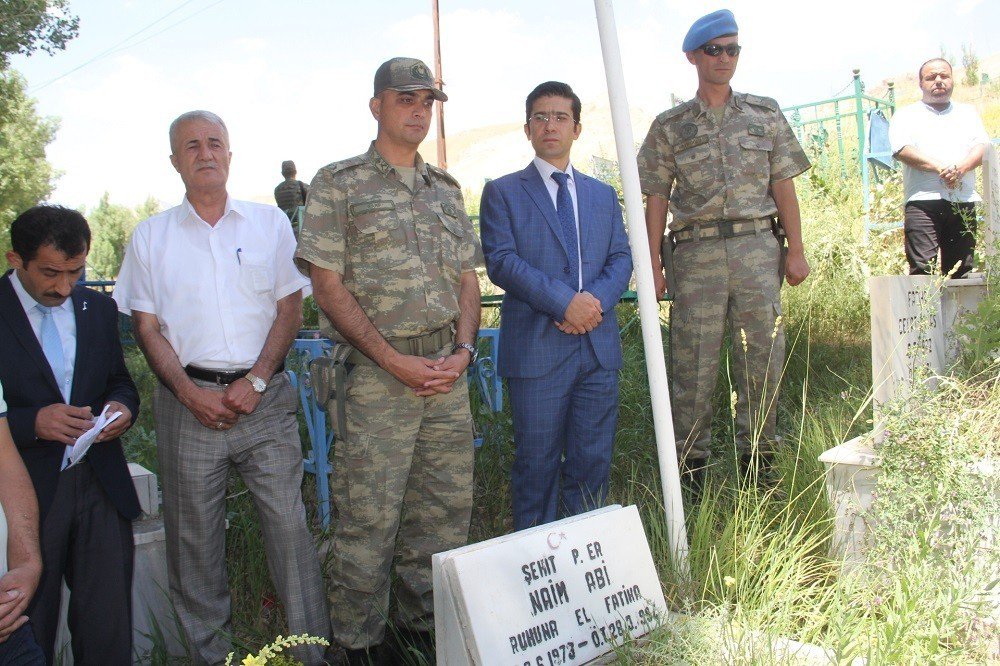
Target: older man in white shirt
(216, 303)
(940, 144)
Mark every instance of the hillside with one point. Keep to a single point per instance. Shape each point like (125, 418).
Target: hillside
(488, 152)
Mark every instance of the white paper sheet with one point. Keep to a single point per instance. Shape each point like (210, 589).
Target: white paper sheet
(84, 441)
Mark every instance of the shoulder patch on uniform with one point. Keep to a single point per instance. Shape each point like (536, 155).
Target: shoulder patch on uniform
(765, 102)
(443, 175)
(672, 113)
(346, 164)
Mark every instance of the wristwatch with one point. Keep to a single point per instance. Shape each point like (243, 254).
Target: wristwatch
(469, 348)
(259, 385)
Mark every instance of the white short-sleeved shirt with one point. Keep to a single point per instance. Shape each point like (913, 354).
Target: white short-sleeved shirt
(214, 289)
(944, 136)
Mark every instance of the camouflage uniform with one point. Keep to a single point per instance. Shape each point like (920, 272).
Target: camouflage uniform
(403, 476)
(723, 173)
(289, 195)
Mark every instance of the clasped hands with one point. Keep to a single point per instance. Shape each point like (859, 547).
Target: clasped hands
(427, 376)
(582, 315)
(219, 410)
(951, 175)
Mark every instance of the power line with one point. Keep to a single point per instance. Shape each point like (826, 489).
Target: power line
(123, 45)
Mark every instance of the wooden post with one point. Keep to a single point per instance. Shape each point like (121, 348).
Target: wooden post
(442, 156)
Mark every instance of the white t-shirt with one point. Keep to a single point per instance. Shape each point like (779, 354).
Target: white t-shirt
(214, 289)
(944, 136)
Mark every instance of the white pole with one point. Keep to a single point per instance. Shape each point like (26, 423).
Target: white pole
(649, 309)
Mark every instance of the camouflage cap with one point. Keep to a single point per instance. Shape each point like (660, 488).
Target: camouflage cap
(405, 74)
(288, 166)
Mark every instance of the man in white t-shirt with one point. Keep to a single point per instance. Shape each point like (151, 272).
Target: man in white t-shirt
(19, 550)
(940, 144)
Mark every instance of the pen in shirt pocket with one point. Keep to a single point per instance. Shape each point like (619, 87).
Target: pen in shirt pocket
(238, 260)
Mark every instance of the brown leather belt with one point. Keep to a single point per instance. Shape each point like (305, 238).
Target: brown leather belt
(722, 229)
(418, 345)
(220, 377)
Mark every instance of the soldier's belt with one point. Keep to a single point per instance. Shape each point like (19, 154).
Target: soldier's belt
(722, 229)
(419, 345)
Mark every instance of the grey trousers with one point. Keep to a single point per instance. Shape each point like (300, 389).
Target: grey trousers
(194, 463)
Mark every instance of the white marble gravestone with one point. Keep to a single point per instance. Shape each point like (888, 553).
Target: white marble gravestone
(913, 318)
(563, 593)
(991, 198)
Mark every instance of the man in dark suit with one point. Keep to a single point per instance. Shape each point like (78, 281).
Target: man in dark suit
(555, 242)
(61, 363)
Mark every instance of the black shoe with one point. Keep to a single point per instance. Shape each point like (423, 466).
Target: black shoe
(756, 468)
(693, 477)
(369, 656)
(408, 647)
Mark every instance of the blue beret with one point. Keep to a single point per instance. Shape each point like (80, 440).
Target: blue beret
(709, 27)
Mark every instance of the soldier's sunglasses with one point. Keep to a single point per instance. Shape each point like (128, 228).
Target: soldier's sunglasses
(732, 50)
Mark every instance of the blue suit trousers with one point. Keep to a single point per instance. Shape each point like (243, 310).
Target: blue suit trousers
(564, 427)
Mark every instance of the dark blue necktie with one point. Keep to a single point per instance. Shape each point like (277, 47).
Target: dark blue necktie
(567, 219)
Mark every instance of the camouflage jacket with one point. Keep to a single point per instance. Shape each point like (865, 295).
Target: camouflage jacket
(401, 253)
(711, 171)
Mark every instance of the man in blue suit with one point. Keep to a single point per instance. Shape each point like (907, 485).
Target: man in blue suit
(555, 242)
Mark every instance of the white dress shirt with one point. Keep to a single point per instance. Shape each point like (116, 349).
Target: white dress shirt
(546, 170)
(944, 136)
(214, 289)
(65, 321)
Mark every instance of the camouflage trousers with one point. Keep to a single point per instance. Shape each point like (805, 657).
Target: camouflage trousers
(726, 282)
(402, 489)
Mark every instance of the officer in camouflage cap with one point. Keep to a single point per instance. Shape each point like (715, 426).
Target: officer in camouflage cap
(724, 161)
(393, 258)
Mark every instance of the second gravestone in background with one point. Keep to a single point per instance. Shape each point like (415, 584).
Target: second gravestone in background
(562, 593)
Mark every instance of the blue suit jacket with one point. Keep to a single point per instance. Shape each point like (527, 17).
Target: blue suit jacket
(526, 256)
(99, 376)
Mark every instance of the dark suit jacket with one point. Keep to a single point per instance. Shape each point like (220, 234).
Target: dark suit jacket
(527, 257)
(99, 375)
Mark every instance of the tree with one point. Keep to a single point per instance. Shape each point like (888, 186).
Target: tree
(111, 226)
(970, 61)
(25, 176)
(29, 25)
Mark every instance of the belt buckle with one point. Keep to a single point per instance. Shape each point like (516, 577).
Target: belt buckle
(725, 228)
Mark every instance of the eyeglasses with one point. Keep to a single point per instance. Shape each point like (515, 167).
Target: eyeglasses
(732, 50)
(557, 118)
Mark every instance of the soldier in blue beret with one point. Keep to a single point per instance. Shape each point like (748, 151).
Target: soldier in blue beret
(723, 162)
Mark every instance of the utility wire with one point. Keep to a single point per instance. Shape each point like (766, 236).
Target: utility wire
(123, 44)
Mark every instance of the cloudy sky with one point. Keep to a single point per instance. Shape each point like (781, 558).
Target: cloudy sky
(292, 79)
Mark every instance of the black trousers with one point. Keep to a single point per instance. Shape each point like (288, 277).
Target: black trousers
(87, 541)
(939, 224)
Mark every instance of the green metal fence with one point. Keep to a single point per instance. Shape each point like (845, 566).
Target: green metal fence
(840, 121)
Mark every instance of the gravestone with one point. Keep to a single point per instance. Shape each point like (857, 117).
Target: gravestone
(991, 198)
(912, 320)
(563, 593)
